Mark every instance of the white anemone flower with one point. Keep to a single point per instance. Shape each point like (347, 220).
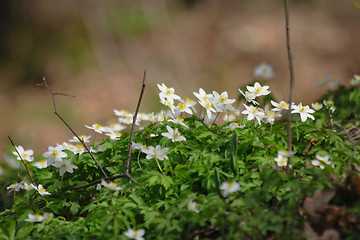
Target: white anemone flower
(208, 107)
(167, 93)
(355, 80)
(304, 111)
(173, 134)
(264, 70)
(65, 166)
(14, 187)
(40, 189)
(83, 138)
(40, 164)
(280, 106)
(229, 187)
(281, 160)
(253, 112)
(178, 120)
(317, 106)
(321, 161)
(96, 127)
(34, 218)
(24, 154)
(156, 152)
(202, 95)
(135, 234)
(192, 206)
(249, 97)
(258, 90)
(222, 101)
(111, 185)
(270, 115)
(54, 154)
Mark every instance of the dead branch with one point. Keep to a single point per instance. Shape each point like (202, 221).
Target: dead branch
(27, 170)
(53, 94)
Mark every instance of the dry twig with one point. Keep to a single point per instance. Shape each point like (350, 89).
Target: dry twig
(53, 94)
(27, 170)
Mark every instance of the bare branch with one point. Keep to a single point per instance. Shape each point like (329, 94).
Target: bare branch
(132, 129)
(27, 170)
(292, 80)
(77, 136)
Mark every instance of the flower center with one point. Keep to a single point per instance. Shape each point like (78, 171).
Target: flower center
(54, 154)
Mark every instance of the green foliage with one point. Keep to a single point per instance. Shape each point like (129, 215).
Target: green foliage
(269, 203)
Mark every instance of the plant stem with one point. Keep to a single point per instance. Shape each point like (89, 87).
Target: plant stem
(292, 80)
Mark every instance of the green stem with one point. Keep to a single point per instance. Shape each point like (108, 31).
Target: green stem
(158, 164)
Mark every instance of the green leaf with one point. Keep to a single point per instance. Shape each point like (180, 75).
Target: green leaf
(74, 207)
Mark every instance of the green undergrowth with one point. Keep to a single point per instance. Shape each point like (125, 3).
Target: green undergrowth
(269, 204)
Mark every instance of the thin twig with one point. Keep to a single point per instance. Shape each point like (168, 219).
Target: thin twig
(292, 80)
(27, 170)
(77, 136)
(127, 169)
(98, 181)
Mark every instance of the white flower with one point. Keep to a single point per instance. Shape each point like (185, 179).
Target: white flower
(96, 127)
(321, 161)
(355, 80)
(228, 188)
(182, 107)
(83, 138)
(122, 113)
(24, 154)
(14, 187)
(156, 152)
(249, 97)
(24, 185)
(221, 101)
(317, 106)
(114, 134)
(208, 106)
(281, 160)
(286, 153)
(135, 234)
(40, 164)
(111, 185)
(48, 216)
(167, 93)
(280, 106)
(192, 206)
(173, 134)
(65, 166)
(34, 218)
(233, 126)
(229, 117)
(40, 189)
(11, 162)
(258, 90)
(139, 146)
(253, 112)
(178, 120)
(270, 115)
(264, 70)
(304, 111)
(202, 96)
(54, 154)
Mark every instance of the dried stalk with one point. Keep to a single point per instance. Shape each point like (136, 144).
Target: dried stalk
(77, 136)
(27, 170)
(292, 80)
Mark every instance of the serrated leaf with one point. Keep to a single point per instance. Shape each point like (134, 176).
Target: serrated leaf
(74, 207)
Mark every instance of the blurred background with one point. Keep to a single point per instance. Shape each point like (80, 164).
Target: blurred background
(98, 50)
